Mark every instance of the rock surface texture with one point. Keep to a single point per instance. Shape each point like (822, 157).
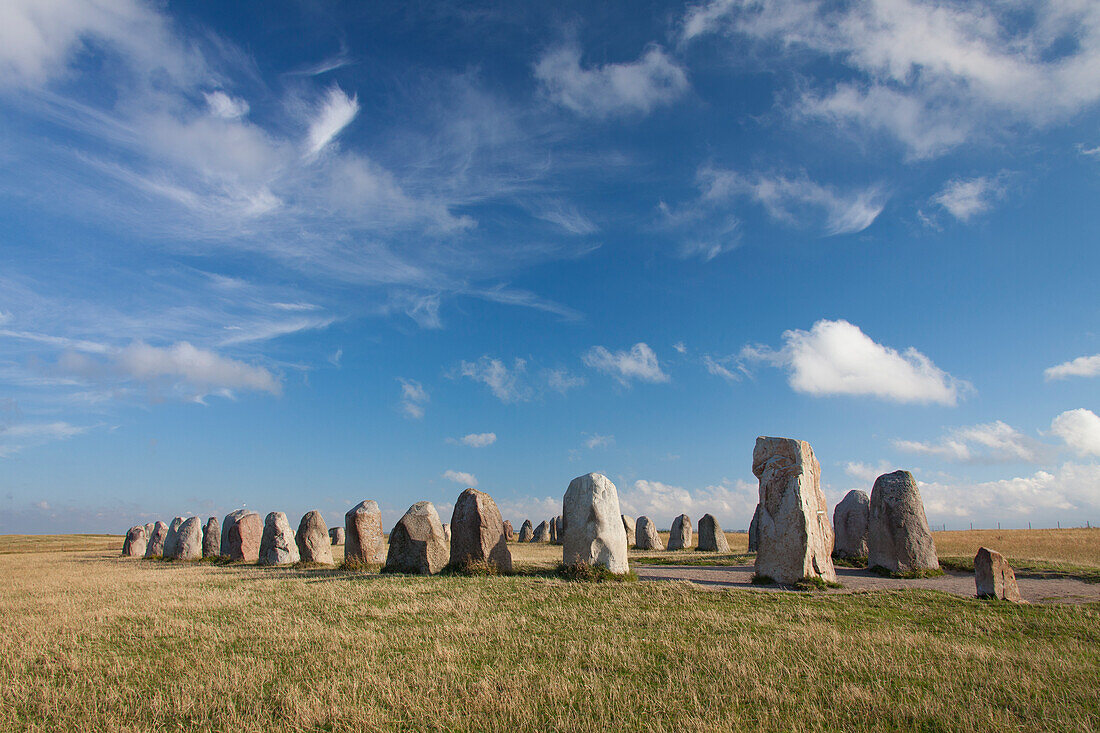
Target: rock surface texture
(313, 540)
(526, 531)
(509, 533)
(850, 520)
(477, 532)
(754, 530)
(711, 538)
(155, 548)
(364, 541)
(645, 535)
(241, 533)
(416, 543)
(277, 545)
(136, 542)
(172, 537)
(542, 532)
(592, 525)
(336, 536)
(211, 538)
(994, 578)
(188, 544)
(898, 537)
(796, 536)
(680, 536)
(628, 527)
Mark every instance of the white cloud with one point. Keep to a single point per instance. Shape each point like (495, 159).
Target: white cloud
(413, 398)
(200, 368)
(335, 113)
(731, 502)
(1082, 366)
(612, 89)
(680, 347)
(562, 381)
(866, 472)
(1065, 495)
(790, 199)
(1080, 429)
(995, 442)
(718, 368)
(460, 477)
(475, 440)
(1089, 152)
(224, 106)
(639, 363)
(966, 198)
(837, 358)
(600, 441)
(16, 437)
(507, 385)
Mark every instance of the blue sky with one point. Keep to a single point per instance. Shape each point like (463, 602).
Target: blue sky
(291, 256)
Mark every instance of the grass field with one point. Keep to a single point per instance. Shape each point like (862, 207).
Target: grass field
(93, 642)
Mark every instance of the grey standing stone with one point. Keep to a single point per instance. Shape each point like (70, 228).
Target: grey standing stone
(277, 545)
(477, 532)
(149, 529)
(211, 538)
(336, 536)
(155, 548)
(592, 525)
(136, 542)
(172, 538)
(994, 578)
(447, 531)
(559, 522)
(509, 533)
(754, 530)
(313, 540)
(628, 527)
(242, 531)
(365, 541)
(416, 543)
(188, 545)
(851, 518)
(542, 532)
(711, 537)
(526, 531)
(898, 537)
(646, 536)
(554, 531)
(680, 536)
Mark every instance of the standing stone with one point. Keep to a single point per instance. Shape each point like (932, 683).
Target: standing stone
(850, 520)
(188, 545)
(363, 535)
(645, 535)
(313, 540)
(477, 532)
(680, 536)
(509, 533)
(593, 528)
(155, 548)
(172, 538)
(277, 545)
(994, 577)
(137, 540)
(527, 531)
(447, 532)
(898, 537)
(554, 531)
(796, 536)
(542, 532)
(711, 537)
(754, 530)
(559, 522)
(242, 531)
(416, 543)
(628, 527)
(211, 538)
(149, 529)
(336, 536)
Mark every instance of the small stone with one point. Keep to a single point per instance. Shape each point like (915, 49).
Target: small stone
(646, 536)
(711, 537)
(477, 532)
(542, 532)
(277, 545)
(336, 536)
(593, 529)
(242, 531)
(188, 545)
(628, 526)
(509, 533)
(155, 548)
(526, 531)
(211, 538)
(313, 540)
(416, 543)
(136, 542)
(994, 578)
(850, 519)
(898, 536)
(363, 535)
(680, 536)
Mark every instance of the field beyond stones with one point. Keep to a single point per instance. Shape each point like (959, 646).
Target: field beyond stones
(93, 642)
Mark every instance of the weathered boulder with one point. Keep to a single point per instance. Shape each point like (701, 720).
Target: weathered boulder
(312, 538)
(188, 540)
(711, 538)
(628, 527)
(416, 543)
(336, 536)
(850, 520)
(136, 542)
(680, 536)
(898, 537)
(559, 522)
(211, 538)
(645, 535)
(149, 529)
(542, 532)
(509, 533)
(592, 525)
(155, 548)
(754, 530)
(277, 545)
(994, 578)
(242, 531)
(477, 532)
(365, 542)
(526, 531)
(796, 536)
(172, 538)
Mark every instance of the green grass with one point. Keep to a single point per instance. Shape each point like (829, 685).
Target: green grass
(695, 560)
(906, 574)
(849, 562)
(1030, 569)
(816, 584)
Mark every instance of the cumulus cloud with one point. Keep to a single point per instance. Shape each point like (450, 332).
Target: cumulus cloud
(1082, 366)
(334, 114)
(837, 358)
(1080, 429)
(995, 442)
(1065, 494)
(198, 367)
(732, 502)
(612, 89)
(460, 477)
(507, 384)
(866, 472)
(475, 440)
(414, 398)
(966, 198)
(599, 441)
(639, 363)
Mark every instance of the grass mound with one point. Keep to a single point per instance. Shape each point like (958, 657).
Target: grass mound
(850, 562)
(808, 584)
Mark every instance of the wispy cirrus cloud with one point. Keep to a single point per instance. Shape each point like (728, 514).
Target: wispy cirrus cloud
(638, 363)
(995, 442)
(414, 398)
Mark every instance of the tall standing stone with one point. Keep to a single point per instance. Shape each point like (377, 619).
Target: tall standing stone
(646, 536)
(526, 531)
(477, 532)
(447, 531)
(680, 536)
(172, 538)
(188, 544)
(313, 540)
(850, 520)
(277, 545)
(416, 543)
(994, 578)
(711, 537)
(155, 548)
(363, 536)
(149, 529)
(242, 531)
(628, 527)
(509, 533)
(754, 530)
(136, 542)
(554, 531)
(898, 537)
(336, 536)
(592, 525)
(542, 532)
(211, 538)
(796, 536)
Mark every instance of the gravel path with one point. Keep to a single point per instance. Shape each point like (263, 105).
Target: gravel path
(1035, 590)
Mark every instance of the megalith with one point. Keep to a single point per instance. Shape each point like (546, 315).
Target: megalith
(155, 548)
(336, 535)
(363, 538)
(554, 531)
(680, 536)
(172, 538)
(526, 531)
(188, 540)
(477, 532)
(211, 538)
(628, 527)
(711, 538)
(416, 543)
(592, 525)
(242, 531)
(277, 545)
(646, 536)
(994, 578)
(754, 530)
(313, 540)
(509, 533)
(559, 522)
(136, 542)
(898, 537)
(850, 520)
(542, 532)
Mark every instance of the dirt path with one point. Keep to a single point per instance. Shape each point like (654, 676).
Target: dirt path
(1035, 590)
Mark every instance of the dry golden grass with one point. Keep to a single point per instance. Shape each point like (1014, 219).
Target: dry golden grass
(94, 642)
(1072, 546)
